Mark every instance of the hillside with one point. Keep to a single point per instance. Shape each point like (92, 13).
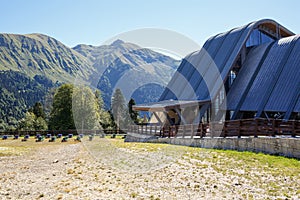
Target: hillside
(129, 67)
(44, 62)
(35, 54)
(18, 93)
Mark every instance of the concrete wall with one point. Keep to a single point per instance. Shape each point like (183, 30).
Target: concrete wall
(289, 147)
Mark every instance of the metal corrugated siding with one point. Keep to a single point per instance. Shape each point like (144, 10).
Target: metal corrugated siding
(220, 59)
(176, 82)
(218, 48)
(201, 87)
(265, 75)
(187, 92)
(184, 68)
(243, 79)
(288, 81)
(205, 63)
(224, 49)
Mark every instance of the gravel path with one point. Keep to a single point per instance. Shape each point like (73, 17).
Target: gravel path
(87, 171)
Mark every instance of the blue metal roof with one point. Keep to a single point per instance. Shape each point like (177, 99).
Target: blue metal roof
(223, 50)
(267, 81)
(288, 81)
(245, 78)
(268, 73)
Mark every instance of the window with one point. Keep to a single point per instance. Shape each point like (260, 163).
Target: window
(257, 37)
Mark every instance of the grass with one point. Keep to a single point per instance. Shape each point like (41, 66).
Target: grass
(140, 147)
(275, 175)
(12, 147)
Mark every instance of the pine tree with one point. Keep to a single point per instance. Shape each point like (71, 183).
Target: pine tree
(38, 110)
(119, 110)
(133, 114)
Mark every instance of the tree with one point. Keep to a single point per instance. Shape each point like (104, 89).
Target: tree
(133, 114)
(38, 110)
(28, 122)
(40, 124)
(106, 120)
(61, 116)
(3, 125)
(86, 108)
(99, 99)
(118, 108)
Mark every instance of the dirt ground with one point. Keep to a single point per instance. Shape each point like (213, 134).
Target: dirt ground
(102, 169)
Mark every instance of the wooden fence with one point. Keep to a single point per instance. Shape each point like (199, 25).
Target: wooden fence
(64, 132)
(233, 128)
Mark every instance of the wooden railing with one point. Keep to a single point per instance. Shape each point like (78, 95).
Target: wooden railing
(65, 132)
(233, 128)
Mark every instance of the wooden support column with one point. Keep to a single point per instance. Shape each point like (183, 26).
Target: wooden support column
(157, 117)
(181, 117)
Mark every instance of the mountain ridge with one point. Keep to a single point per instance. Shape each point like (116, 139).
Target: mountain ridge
(40, 54)
(46, 60)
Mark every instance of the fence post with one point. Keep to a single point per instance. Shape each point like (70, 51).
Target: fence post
(293, 129)
(201, 130)
(192, 131)
(239, 129)
(211, 129)
(273, 128)
(256, 128)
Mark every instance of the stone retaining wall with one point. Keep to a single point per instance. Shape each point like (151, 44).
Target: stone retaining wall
(289, 147)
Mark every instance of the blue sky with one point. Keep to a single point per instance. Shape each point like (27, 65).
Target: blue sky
(95, 21)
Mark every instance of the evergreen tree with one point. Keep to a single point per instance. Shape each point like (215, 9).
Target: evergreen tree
(119, 110)
(133, 114)
(38, 110)
(99, 99)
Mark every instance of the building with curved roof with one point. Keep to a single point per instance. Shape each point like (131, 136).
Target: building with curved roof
(248, 72)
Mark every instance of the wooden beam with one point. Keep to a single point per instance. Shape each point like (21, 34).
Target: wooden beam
(157, 117)
(181, 117)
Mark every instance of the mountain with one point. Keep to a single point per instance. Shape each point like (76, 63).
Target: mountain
(35, 54)
(18, 93)
(36, 63)
(128, 67)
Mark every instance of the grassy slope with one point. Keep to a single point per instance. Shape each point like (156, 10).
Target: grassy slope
(40, 54)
